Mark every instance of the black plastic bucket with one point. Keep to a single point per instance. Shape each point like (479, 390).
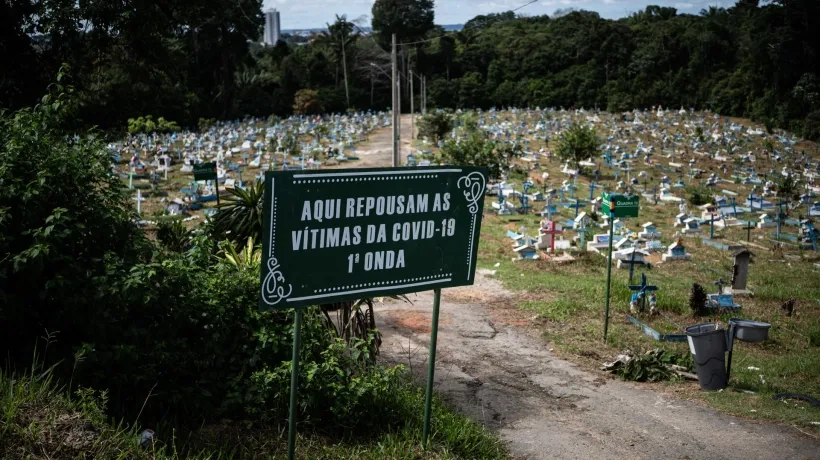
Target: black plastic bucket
(707, 343)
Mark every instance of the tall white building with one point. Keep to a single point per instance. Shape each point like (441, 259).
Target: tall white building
(271, 27)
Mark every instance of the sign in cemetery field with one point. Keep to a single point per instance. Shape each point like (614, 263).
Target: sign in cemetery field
(620, 205)
(350, 234)
(205, 171)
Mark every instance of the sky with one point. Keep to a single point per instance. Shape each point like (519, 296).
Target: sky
(306, 14)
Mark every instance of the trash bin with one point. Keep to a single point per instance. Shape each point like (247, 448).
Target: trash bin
(707, 343)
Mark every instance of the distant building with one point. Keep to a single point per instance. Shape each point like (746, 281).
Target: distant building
(272, 27)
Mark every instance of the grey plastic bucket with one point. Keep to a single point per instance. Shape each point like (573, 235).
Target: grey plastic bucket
(708, 346)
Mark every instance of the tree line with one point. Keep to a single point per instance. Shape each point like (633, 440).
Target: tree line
(187, 60)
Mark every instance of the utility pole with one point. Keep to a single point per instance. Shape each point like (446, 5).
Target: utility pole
(395, 107)
(398, 119)
(412, 112)
(424, 82)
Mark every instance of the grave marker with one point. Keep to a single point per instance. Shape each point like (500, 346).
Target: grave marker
(740, 270)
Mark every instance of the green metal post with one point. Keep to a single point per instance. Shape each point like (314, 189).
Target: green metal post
(294, 380)
(431, 368)
(608, 273)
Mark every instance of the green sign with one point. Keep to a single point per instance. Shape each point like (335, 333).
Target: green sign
(205, 171)
(350, 234)
(618, 205)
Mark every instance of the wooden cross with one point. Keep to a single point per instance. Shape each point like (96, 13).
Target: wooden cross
(549, 228)
(720, 283)
(592, 188)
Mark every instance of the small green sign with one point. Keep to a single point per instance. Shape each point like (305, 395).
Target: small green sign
(350, 234)
(205, 171)
(618, 205)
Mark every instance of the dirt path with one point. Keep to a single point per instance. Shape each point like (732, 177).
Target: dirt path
(377, 151)
(546, 407)
(543, 406)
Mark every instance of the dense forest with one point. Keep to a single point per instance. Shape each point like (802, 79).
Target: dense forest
(186, 60)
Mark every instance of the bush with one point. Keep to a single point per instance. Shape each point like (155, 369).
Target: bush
(578, 143)
(814, 335)
(148, 125)
(698, 196)
(173, 235)
(435, 125)
(697, 300)
(65, 227)
(478, 150)
(307, 102)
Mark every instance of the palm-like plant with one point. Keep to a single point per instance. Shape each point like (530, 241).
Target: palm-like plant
(250, 257)
(239, 217)
(340, 37)
(174, 235)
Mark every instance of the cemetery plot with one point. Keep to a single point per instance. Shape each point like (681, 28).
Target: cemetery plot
(682, 245)
(703, 198)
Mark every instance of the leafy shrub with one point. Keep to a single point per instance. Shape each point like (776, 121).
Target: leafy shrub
(697, 300)
(698, 196)
(578, 143)
(205, 124)
(814, 335)
(651, 366)
(478, 150)
(148, 125)
(435, 125)
(65, 227)
(307, 102)
(173, 235)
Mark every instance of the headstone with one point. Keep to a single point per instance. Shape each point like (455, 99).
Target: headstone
(599, 241)
(630, 257)
(740, 270)
(502, 206)
(691, 226)
(650, 230)
(676, 251)
(547, 234)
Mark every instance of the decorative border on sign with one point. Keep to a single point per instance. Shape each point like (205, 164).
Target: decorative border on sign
(382, 283)
(273, 286)
(474, 183)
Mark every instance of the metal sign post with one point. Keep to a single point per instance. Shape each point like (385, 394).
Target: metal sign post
(608, 273)
(294, 382)
(616, 206)
(431, 368)
(348, 234)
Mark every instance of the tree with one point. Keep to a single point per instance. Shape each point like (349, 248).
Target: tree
(307, 102)
(478, 150)
(435, 125)
(408, 19)
(578, 143)
(787, 186)
(66, 226)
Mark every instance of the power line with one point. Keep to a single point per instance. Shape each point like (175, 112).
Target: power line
(467, 28)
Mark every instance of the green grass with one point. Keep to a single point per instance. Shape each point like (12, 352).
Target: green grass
(569, 300)
(41, 418)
